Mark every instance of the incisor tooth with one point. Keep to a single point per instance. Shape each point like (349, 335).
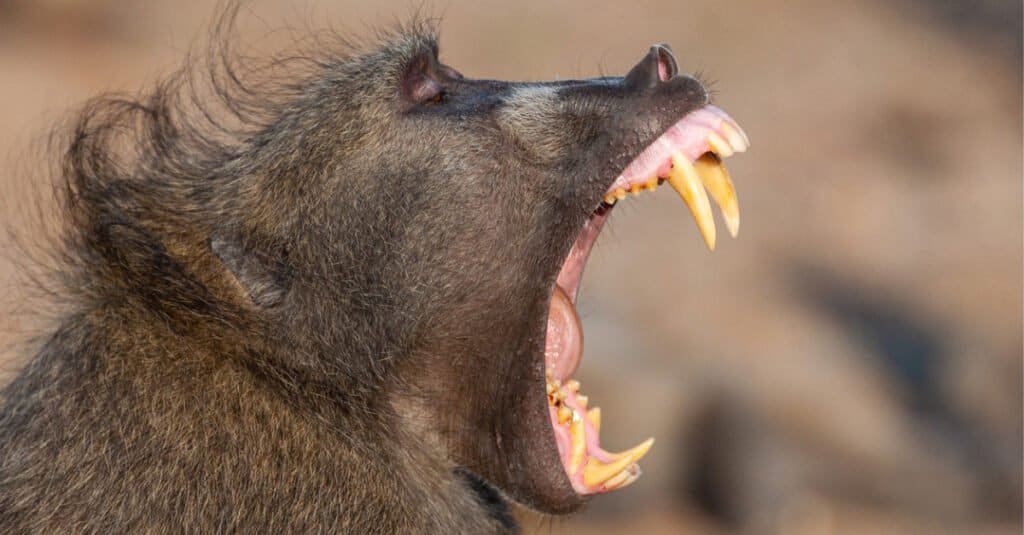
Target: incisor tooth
(578, 436)
(716, 180)
(635, 189)
(594, 415)
(652, 184)
(736, 138)
(620, 194)
(719, 146)
(610, 198)
(687, 184)
(582, 400)
(597, 472)
(624, 479)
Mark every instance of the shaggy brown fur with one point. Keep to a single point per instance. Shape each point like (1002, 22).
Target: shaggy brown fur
(314, 300)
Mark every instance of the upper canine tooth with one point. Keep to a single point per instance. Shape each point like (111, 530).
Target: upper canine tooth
(716, 180)
(737, 139)
(719, 146)
(684, 179)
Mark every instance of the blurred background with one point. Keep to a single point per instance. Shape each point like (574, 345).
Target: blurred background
(850, 364)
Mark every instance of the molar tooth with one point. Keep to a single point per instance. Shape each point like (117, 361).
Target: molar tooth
(683, 178)
(717, 182)
(578, 436)
(651, 184)
(719, 146)
(596, 472)
(635, 189)
(564, 414)
(594, 415)
(736, 136)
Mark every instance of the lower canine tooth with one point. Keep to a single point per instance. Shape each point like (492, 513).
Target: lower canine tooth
(716, 179)
(684, 179)
(596, 472)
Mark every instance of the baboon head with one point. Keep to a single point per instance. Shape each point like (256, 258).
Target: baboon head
(416, 237)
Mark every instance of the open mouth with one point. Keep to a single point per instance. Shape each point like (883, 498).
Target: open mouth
(689, 157)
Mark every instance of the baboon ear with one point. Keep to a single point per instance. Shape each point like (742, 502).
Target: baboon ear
(263, 275)
(420, 82)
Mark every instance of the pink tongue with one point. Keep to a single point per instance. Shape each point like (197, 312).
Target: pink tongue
(564, 345)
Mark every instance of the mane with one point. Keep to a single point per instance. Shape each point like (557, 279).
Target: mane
(127, 162)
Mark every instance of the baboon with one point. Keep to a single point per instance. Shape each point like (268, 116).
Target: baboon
(340, 300)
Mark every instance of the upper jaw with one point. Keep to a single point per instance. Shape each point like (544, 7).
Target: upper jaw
(707, 129)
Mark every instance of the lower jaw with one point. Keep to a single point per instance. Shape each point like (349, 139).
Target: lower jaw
(576, 425)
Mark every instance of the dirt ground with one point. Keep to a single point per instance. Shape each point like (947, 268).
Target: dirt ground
(850, 364)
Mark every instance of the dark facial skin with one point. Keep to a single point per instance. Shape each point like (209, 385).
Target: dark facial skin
(336, 316)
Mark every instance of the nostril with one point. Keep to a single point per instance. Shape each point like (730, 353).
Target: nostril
(667, 68)
(658, 66)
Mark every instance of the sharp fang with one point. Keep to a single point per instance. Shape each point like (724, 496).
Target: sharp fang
(736, 137)
(642, 447)
(578, 436)
(594, 415)
(719, 146)
(687, 184)
(717, 182)
(620, 194)
(596, 472)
